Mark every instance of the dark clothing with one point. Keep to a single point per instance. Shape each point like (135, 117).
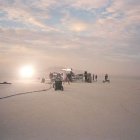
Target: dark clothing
(93, 77)
(106, 77)
(96, 77)
(86, 77)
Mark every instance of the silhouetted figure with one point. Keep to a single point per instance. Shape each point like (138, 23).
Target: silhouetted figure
(68, 78)
(51, 76)
(96, 77)
(85, 75)
(89, 78)
(106, 79)
(93, 77)
(43, 80)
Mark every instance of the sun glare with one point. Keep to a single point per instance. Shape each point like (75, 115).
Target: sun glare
(26, 71)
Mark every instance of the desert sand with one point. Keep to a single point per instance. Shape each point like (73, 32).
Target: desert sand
(83, 111)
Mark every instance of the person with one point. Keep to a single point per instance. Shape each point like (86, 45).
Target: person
(68, 76)
(96, 77)
(89, 78)
(93, 77)
(51, 76)
(43, 80)
(85, 75)
(106, 77)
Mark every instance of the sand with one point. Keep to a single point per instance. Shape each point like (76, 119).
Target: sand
(83, 111)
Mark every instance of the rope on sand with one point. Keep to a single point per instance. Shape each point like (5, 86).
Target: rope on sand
(22, 93)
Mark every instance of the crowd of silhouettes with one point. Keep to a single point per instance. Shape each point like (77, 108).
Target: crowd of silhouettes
(69, 77)
(89, 78)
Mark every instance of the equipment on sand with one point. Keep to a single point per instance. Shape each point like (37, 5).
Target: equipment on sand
(5, 83)
(58, 85)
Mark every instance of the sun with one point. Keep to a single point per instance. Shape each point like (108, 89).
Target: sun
(26, 71)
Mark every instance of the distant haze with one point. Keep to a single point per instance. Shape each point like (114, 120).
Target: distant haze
(100, 36)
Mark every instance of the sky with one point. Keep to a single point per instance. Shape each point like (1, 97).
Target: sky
(100, 36)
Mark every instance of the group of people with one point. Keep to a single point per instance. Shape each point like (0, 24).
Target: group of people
(65, 77)
(88, 77)
(70, 77)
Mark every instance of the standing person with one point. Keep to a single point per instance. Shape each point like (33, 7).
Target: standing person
(106, 77)
(89, 78)
(93, 77)
(96, 77)
(43, 80)
(85, 75)
(68, 78)
(51, 76)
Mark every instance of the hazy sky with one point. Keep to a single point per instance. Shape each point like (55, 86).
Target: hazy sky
(101, 36)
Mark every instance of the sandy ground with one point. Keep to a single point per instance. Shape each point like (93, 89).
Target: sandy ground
(82, 111)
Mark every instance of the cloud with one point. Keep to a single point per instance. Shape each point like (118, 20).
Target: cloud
(74, 25)
(128, 8)
(90, 33)
(44, 3)
(34, 39)
(80, 4)
(77, 26)
(89, 4)
(18, 12)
